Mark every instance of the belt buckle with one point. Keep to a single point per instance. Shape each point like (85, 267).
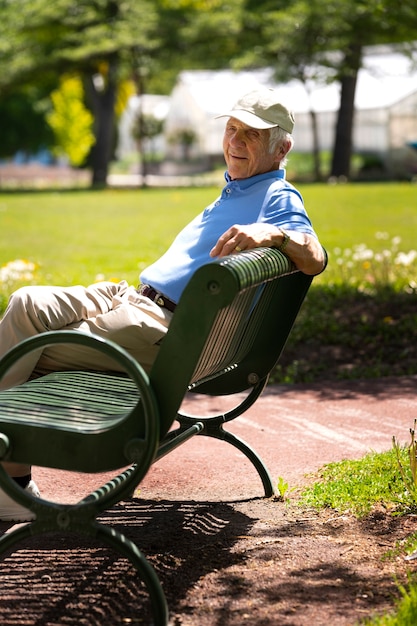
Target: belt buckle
(158, 299)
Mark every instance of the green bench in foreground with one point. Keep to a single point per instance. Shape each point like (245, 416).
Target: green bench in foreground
(226, 335)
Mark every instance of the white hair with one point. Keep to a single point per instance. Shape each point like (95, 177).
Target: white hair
(279, 135)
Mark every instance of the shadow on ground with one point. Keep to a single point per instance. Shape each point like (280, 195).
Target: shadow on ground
(66, 579)
(256, 562)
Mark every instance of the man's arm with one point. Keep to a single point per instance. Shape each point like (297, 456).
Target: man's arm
(303, 249)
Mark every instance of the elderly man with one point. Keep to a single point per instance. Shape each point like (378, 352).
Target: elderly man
(257, 207)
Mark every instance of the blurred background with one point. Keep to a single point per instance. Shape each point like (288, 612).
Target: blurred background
(124, 92)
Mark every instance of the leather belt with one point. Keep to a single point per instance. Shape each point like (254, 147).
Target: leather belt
(157, 297)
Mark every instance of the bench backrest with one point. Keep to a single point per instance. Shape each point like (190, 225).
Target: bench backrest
(229, 328)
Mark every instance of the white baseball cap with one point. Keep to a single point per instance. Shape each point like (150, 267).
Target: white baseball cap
(262, 109)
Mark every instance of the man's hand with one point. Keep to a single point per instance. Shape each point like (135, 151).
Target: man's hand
(246, 237)
(304, 250)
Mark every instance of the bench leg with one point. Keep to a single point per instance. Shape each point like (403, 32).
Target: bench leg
(218, 432)
(120, 543)
(213, 427)
(80, 519)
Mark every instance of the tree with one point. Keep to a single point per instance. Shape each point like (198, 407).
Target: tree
(287, 39)
(71, 121)
(300, 39)
(359, 24)
(103, 41)
(99, 40)
(184, 138)
(145, 127)
(22, 124)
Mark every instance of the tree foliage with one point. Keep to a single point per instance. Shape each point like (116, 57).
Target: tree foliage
(39, 36)
(71, 121)
(305, 39)
(22, 125)
(103, 41)
(100, 40)
(106, 41)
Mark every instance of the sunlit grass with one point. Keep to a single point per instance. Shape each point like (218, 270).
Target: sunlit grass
(356, 486)
(353, 214)
(405, 613)
(72, 237)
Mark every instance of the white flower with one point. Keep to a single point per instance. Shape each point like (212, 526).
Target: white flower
(16, 270)
(406, 258)
(362, 253)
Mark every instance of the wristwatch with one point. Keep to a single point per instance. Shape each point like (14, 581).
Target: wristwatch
(285, 240)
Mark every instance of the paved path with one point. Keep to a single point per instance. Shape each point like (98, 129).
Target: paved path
(296, 429)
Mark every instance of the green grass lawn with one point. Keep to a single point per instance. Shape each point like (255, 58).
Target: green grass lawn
(347, 215)
(359, 319)
(74, 236)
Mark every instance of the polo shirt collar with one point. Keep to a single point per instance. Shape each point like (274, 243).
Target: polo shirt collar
(244, 183)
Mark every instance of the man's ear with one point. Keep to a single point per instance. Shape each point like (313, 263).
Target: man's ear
(280, 153)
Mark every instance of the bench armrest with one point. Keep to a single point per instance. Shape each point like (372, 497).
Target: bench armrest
(111, 349)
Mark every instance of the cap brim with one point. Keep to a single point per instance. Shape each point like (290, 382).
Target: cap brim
(250, 119)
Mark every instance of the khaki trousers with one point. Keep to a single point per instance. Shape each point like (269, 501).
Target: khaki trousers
(114, 311)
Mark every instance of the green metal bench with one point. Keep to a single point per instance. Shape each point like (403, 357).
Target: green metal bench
(226, 335)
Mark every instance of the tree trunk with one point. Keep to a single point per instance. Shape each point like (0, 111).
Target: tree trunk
(139, 80)
(342, 151)
(140, 142)
(316, 147)
(102, 99)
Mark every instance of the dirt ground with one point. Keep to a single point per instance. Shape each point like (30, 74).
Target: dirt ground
(255, 562)
(225, 555)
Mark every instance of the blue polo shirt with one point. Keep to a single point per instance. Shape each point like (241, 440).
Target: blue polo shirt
(267, 198)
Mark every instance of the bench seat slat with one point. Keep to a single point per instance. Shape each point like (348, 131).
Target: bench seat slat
(70, 400)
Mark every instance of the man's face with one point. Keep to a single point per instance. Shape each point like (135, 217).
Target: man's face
(246, 150)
